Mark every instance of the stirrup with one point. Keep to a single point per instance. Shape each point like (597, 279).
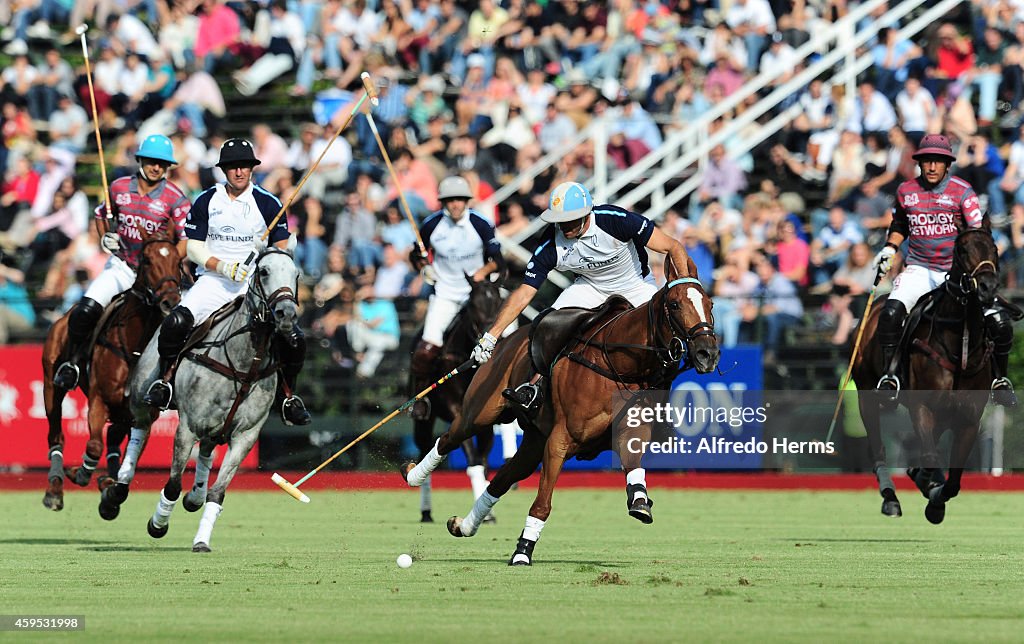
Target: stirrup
(1002, 392)
(890, 383)
(159, 395)
(67, 376)
(294, 412)
(527, 395)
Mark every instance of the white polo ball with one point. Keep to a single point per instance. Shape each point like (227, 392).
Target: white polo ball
(404, 561)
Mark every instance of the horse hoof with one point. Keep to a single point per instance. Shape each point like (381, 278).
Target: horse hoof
(78, 476)
(109, 511)
(892, 509)
(404, 471)
(201, 547)
(155, 531)
(519, 559)
(426, 517)
(54, 497)
(935, 512)
(191, 507)
(455, 527)
(641, 511)
(104, 482)
(116, 494)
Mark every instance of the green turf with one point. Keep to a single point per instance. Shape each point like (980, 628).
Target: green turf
(715, 566)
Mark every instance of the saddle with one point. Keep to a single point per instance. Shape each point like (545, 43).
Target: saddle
(552, 330)
(218, 316)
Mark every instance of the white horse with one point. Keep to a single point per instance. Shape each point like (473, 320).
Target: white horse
(225, 388)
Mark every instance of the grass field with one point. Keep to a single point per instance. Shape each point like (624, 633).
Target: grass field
(715, 566)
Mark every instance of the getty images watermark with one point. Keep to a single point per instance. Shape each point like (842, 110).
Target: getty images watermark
(725, 427)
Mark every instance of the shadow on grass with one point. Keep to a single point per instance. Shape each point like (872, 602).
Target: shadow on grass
(811, 540)
(55, 541)
(122, 548)
(596, 565)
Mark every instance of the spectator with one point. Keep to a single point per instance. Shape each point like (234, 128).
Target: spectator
(19, 191)
(698, 251)
(792, 253)
(780, 58)
(434, 149)
(283, 40)
(218, 32)
(17, 80)
(199, 101)
(753, 21)
(270, 149)
(55, 78)
(426, 100)
(850, 286)
(333, 168)
(393, 273)
(16, 312)
(347, 39)
(69, 125)
(734, 287)
(917, 109)
(777, 307)
(892, 55)
(722, 181)
(872, 111)
(637, 125)
(556, 129)
(355, 233)
(954, 56)
(986, 74)
(483, 29)
(444, 42)
(373, 330)
(396, 231)
(417, 181)
(832, 244)
(535, 95)
(128, 33)
(847, 166)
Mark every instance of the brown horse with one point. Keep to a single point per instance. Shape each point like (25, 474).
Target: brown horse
(127, 325)
(475, 317)
(621, 355)
(947, 359)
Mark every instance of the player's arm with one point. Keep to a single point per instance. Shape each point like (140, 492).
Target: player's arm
(512, 309)
(662, 243)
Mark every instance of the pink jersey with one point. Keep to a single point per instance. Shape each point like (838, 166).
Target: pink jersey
(165, 205)
(932, 219)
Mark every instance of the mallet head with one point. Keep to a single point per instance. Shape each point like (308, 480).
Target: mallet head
(371, 89)
(81, 29)
(289, 488)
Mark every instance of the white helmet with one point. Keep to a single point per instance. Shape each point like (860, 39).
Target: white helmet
(454, 188)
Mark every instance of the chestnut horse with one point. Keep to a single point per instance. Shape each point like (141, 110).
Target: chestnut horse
(946, 387)
(622, 355)
(475, 317)
(127, 325)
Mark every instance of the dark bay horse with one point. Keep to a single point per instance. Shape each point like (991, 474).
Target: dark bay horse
(475, 317)
(625, 353)
(947, 360)
(125, 328)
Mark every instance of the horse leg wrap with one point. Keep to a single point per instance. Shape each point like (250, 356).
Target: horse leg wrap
(131, 456)
(203, 466)
(523, 556)
(113, 462)
(885, 481)
(481, 508)
(210, 514)
(508, 432)
(56, 463)
(636, 485)
(423, 469)
(162, 516)
(425, 505)
(477, 479)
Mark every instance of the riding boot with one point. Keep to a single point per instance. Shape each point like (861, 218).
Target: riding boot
(1000, 328)
(890, 328)
(529, 395)
(174, 332)
(421, 376)
(81, 323)
(292, 354)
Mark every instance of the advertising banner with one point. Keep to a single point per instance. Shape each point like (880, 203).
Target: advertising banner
(23, 426)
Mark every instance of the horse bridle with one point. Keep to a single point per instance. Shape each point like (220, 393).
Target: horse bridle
(967, 283)
(156, 292)
(267, 302)
(678, 344)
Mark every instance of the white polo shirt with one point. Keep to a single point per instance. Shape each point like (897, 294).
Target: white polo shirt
(460, 248)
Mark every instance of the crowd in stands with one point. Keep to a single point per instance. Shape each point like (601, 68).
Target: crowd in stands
(485, 89)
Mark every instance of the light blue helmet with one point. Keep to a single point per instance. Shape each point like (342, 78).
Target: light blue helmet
(156, 146)
(569, 201)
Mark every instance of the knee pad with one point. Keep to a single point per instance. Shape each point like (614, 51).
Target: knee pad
(86, 313)
(424, 357)
(1000, 328)
(174, 331)
(890, 322)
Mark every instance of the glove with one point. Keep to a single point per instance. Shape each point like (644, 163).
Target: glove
(111, 242)
(484, 348)
(236, 271)
(883, 261)
(417, 260)
(429, 274)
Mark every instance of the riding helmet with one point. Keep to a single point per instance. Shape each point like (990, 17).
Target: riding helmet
(935, 145)
(237, 152)
(156, 146)
(569, 201)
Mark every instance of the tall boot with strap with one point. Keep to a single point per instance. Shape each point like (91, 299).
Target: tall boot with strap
(1000, 329)
(174, 332)
(421, 376)
(291, 352)
(81, 323)
(890, 328)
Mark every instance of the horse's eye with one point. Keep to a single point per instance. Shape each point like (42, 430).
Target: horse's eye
(673, 305)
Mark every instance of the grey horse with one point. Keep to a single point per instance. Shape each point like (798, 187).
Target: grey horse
(225, 388)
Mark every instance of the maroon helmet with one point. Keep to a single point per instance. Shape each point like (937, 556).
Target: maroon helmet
(934, 145)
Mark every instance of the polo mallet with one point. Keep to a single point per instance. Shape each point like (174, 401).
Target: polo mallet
(368, 84)
(293, 489)
(80, 30)
(853, 356)
(366, 94)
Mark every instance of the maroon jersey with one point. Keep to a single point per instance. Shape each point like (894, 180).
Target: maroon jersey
(932, 219)
(166, 206)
